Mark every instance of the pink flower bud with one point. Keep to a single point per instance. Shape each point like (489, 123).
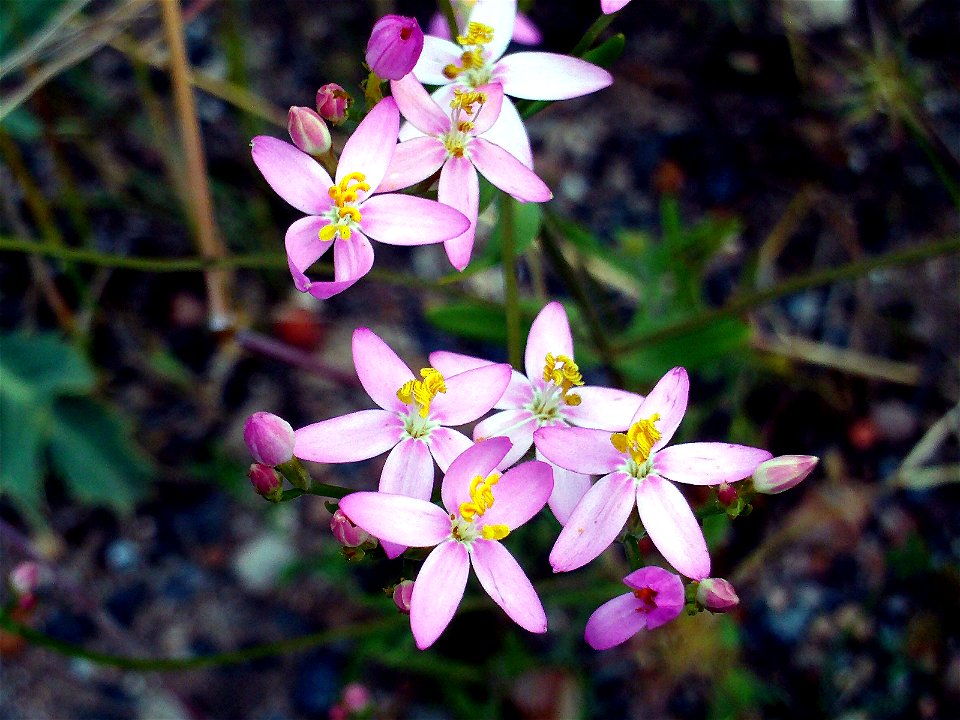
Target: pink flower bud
(266, 481)
(24, 578)
(345, 532)
(270, 438)
(395, 46)
(726, 494)
(782, 473)
(717, 594)
(308, 131)
(402, 594)
(356, 698)
(333, 103)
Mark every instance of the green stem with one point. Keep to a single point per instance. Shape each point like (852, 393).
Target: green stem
(446, 8)
(330, 491)
(511, 291)
(592, 33)
(749, 301)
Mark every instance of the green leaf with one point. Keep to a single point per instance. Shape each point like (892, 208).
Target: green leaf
(527, 218)
(608, 52)
(470, 320)
(93, 450)
(41, 366)
(21, 467)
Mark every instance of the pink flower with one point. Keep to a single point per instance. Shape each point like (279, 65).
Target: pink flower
(394, 47)
(412, 422)
(345, 532)
(453, 140)
(640, 469)
(611, 6)
(782, 473)
(333, 103)
(269, 438)
(551, 394)
(342, 214)
(480, 508)
(655, 598)
(475, 60)
(524, 31)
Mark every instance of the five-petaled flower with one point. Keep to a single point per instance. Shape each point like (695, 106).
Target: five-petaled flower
(344, 211)
(638, 470)
(551, 394)
(412, 422)
(655, 598)
(475, 60)
(453, 140)
(481, 508)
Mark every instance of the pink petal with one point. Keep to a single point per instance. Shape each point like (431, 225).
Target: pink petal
(518, 394)
(669, 399)
(293, 175)
(517, 425)
(568, 489)
(470, 394)
(603, 408)
(525, 32)
(611, 6)
(408, 470)
(348, 438)
(304, 247)
(507, 172)
(615, 622)
(418, 107)
(581, 450)
(504, 580)
(459, 188)
(451, 363)
(446, 445)
(438, 591)
(708, 463)
(414, 160)
(407, 132)
(408, 220)
(370, 148)
(479, 459)
(380, 369)
(669, 590)
(510, 133)
(548, 76)
(594, 523)
(437, 53)
(501, 17)
(520, 494)
(549, 333)
(352, 259)
(672, 527)
(397, 518)
(487, 115)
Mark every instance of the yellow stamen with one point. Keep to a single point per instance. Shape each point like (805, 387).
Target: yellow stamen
(350, 212)
(563, 372)
(422, 392)
(639, 439)
(347, 190)
(495, 532)
(466, 99)
(329, 232)
(481, 497)
(477, 34)
(476, 37)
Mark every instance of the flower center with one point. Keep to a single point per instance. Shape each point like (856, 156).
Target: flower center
(463, 527)
(647, 597)
(473, 69)
(344, 216)
(561, 373)
(638, 442)
(418, 394)
(462, 115)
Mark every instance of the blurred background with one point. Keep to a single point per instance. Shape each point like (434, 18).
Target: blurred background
(768, 195)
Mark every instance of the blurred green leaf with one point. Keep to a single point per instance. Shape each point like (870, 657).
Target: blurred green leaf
(94, 452)
(608, 52)
(470, 320)
(527, 218)
(41, 366)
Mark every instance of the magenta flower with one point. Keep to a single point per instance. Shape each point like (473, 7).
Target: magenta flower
(344, 213)
(639, 469)
(474, 60)
(480, 508)
(453, 140)
(551, 394)
(333, 103)
(394, 47)
(655, 598)
(412, 422)
(611, 6)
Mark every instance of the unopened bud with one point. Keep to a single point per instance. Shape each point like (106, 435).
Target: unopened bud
(308, 131)
(717, 594)
(345, 532)
(726, 494)
(782, 473)
(333, 103)
(269, 438)
(394, 47)
(402, 594)
(266, 481)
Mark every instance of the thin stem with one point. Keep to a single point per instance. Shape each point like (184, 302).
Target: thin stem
(208, 235)
(749, 301)
(592, 33)
(329, 491)
(510, 288)
(446, 8)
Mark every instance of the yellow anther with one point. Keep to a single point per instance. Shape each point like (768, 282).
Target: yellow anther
(481, 497)
(639, 439)
(329, 232)
(477, 34)
(495, 532)
(466, 99)
(563, 372)
(350, 212)
(347, 190)
(422, 392)
(464, 126)
(451, 71)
